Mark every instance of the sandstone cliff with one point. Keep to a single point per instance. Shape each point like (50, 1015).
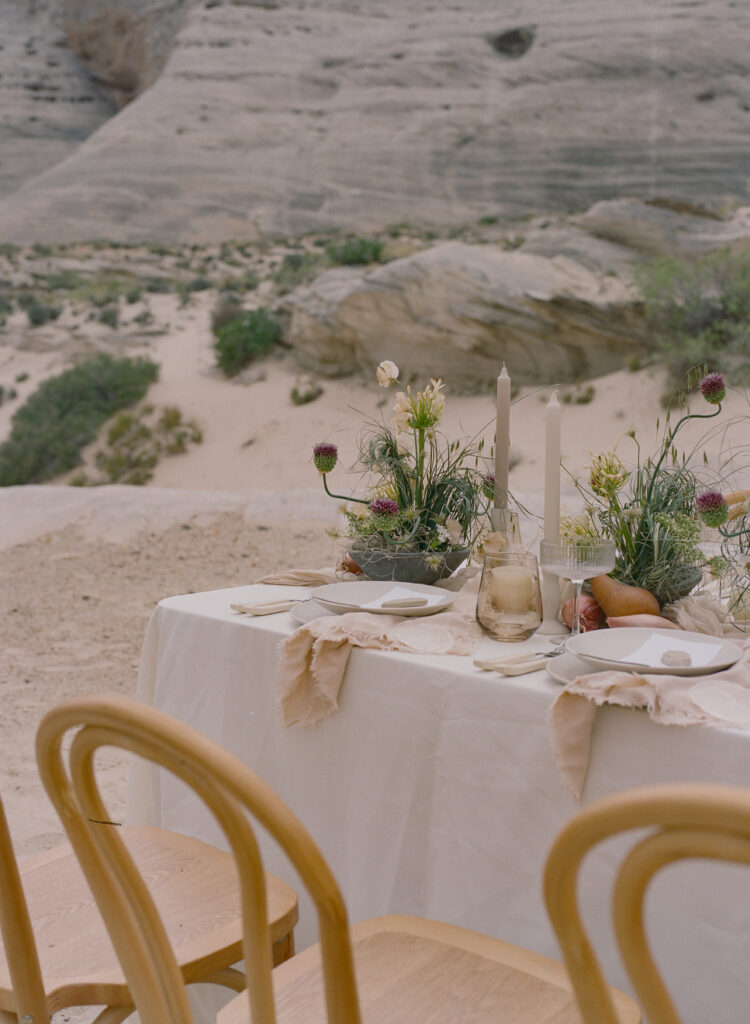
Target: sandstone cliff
(276, 118)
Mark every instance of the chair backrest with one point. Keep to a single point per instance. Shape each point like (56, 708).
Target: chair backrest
(686, 821)
(230, 790)
(18, 936)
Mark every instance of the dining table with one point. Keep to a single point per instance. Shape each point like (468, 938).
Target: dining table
(433, 789)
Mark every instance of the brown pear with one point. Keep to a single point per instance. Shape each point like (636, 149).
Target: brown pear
(615, 598)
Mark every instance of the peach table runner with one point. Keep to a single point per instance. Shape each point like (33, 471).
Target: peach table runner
(721, 699)
(314, 658)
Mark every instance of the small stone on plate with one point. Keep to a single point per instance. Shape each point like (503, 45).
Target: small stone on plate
(677, 659)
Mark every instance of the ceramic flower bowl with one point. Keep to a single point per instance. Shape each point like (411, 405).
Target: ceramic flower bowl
(407, 566)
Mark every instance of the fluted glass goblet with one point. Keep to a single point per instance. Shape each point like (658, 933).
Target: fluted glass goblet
(577, 559)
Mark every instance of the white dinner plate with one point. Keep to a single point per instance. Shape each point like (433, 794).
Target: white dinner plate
(359, 597)
(639, 649)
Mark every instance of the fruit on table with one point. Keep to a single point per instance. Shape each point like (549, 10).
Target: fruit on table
(591, 614)
(615, 598)
(650, 621)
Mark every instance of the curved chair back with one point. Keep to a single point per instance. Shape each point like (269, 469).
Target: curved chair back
(230, 790)
(686, 820)
(18, 936)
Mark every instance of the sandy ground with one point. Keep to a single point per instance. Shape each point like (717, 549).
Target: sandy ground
(74, 608)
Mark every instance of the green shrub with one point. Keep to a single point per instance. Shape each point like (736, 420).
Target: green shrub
(355, 251)
(159, 285)
(242, 339)
(241, 283)
(133, 294)
(6, 304)
(110, 316)
(700, 312)
(296, 268)
(64, 281)
(135, 441)
(37, 311)
(64, 414)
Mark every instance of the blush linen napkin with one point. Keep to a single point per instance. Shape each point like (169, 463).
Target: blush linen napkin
(721, 699)
(314, 658)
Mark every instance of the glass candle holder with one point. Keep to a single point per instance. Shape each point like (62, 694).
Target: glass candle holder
(509, 603)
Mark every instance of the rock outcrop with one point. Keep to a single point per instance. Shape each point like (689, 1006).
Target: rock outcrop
(458, 311)
(124, 43)
(273, 118)
(560, 306)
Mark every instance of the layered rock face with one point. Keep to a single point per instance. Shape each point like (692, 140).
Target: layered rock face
(276, 118)
(560, 307)
(124, 43)
(48, 103)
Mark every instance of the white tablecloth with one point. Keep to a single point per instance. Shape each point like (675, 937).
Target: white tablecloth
(433, 790)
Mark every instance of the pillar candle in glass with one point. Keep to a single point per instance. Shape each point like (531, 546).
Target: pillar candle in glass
(509, 603)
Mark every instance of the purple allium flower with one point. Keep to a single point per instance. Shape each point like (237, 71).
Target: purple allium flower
(713, 388)
(712, 508)
(384, 507)
(488, 486)
(325, 457)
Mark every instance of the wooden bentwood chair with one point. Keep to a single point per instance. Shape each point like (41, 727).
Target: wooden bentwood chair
(56, 951)
(687, 820)
(408, 970)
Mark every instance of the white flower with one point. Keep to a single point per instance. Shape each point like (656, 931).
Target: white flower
(387, 373)
(402, 412)
(443, 535)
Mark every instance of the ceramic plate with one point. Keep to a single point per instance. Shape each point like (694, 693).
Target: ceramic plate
(366, 596)
(637, 649)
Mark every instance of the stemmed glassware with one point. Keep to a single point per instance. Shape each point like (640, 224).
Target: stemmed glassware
(577, 559)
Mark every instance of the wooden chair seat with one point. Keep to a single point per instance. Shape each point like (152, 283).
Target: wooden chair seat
(413, 971)
(196, 889)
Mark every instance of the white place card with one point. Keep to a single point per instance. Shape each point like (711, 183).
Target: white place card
(404, 594)
(650, 652)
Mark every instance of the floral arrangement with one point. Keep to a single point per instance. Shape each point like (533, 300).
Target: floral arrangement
(424, 493)
(651, 511)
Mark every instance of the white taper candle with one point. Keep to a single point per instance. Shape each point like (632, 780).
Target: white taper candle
(502, 439)
(552, 424)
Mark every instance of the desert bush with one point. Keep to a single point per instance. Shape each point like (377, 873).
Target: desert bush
(296, 268)
(110, 316)
(700, 312)
(133, 294)
(38, 312)
(135, 441)
(240, 283)
(244, 338)
(6, 304)
(159, 285)
(64, 281)
(64, 414)
(355, 250)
